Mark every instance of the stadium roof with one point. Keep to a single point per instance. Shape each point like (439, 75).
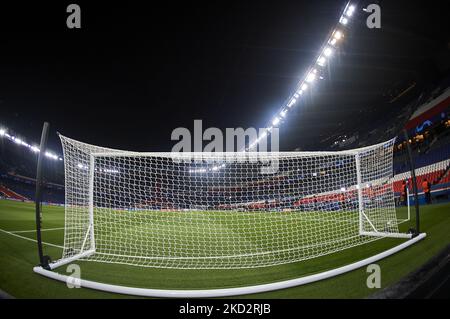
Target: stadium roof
(130, 76)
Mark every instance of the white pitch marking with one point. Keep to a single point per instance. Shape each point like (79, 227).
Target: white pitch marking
(30, 239)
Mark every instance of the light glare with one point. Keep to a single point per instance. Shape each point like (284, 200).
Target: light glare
(338, 35)
(343, 20)
(321, 61)
(310, 77)
(350, 11)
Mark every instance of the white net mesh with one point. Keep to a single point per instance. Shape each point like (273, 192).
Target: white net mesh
(218, 211)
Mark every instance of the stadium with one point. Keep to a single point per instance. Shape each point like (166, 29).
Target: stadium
(94, 204)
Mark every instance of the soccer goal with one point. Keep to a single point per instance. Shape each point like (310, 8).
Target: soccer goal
(224, 210)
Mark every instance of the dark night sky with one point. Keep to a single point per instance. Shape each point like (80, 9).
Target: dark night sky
(132, 74)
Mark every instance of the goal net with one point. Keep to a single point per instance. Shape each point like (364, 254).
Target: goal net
(224, 210)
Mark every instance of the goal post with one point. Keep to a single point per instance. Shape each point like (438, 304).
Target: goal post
(224, 210)
(363, 218)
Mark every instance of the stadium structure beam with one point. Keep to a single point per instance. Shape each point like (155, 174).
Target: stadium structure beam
(43, 260)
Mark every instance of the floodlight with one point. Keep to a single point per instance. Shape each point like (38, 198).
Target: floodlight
(276, 121)
(337, 35)
(50, 155)
(343, 189)
(310, 77)
(292, 102)
(343, 20)
(17, 140)
(350, 11)
(35, 149)
(2, 132)
(304, 86)
(321, 61)
(283, 113)
(328, 51)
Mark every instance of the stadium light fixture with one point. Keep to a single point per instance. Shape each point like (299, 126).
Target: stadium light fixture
(276, 121)
(338, 35)
(33, 148)
(350, 11)
(343, 20)
(292, 102)
(321, 61)
(328, 51)
(310, 77)
(51, 155)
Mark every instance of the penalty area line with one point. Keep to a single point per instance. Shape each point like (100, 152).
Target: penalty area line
(29, 239)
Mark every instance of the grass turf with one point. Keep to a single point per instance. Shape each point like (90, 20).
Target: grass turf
(19, 255)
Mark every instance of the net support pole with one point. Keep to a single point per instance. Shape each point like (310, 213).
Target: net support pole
(43, 260)
(408, 203)
(91, 201)
(360, 195)
(413, 180)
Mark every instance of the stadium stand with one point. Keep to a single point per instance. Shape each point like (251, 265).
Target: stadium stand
(425, 117)
(17, 172)
(10, 194)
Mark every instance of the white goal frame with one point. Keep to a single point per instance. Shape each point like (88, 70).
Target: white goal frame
(90, 233)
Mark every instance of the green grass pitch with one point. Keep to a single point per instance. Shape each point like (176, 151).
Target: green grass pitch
(18, 255)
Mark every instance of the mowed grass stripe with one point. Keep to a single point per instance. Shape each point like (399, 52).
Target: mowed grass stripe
(18, 256)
